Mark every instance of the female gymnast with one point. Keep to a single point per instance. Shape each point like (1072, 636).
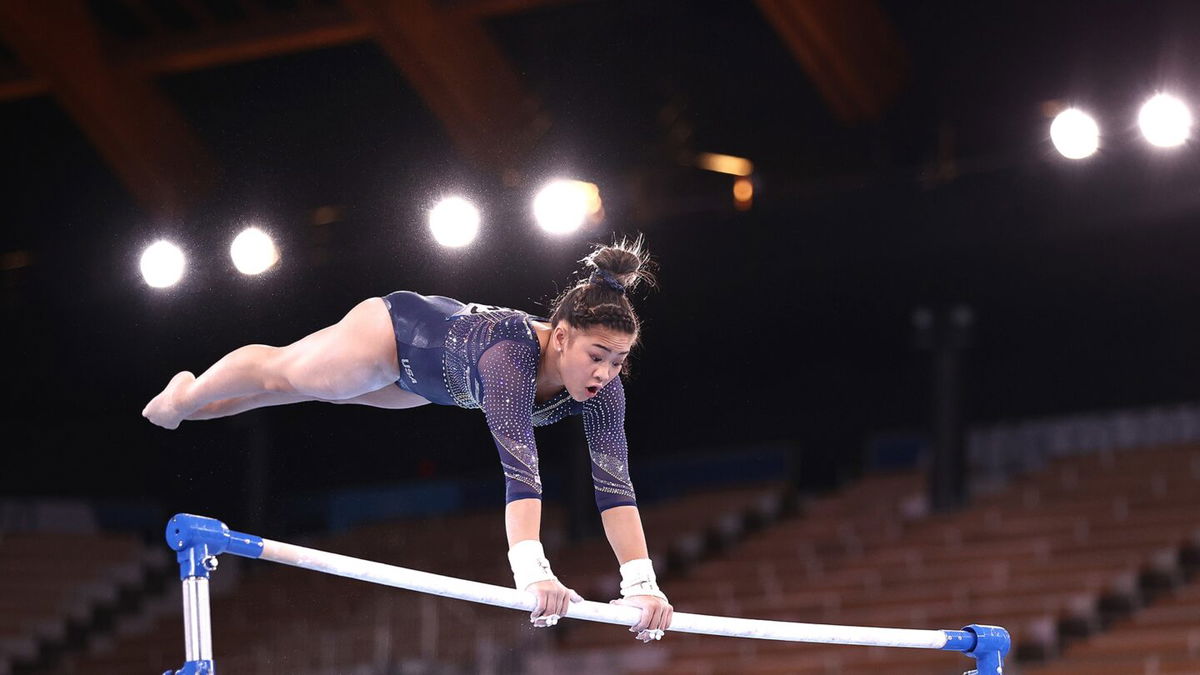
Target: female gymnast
(405, 350)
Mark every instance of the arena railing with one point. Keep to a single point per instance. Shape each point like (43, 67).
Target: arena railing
(198, 541)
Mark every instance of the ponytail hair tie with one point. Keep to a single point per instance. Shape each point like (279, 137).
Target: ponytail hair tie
(605, 278)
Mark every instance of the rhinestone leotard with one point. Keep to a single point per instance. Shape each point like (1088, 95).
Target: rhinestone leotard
(486, 357)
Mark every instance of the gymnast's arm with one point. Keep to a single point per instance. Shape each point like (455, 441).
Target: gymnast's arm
(604, 425)
(507, 373)
(623, 527)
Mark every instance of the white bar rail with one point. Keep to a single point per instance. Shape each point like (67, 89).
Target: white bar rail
(450, 587)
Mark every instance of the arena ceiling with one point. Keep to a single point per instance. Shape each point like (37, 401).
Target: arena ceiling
(101, 61)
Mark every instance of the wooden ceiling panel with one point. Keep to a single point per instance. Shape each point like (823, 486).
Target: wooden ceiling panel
(442, 49)
(135, 128)
(462, 76)
(848, 48)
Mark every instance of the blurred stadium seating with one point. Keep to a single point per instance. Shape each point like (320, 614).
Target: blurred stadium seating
(1089, 563)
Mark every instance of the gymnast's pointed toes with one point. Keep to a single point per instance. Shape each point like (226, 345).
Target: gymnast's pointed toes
(161, 409)
(154, 412)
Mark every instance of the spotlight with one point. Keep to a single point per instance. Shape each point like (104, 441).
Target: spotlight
(162, 264)
(454, 222)
(253, 252)
(1075, 134)
(1165, 121)
(563, 206)
(743, 193)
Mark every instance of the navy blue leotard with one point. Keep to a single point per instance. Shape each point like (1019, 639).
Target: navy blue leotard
(483, 356)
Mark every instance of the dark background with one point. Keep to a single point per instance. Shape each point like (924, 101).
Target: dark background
(788, 322)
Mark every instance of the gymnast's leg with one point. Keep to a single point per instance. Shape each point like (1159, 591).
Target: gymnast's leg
(390, 397)
(240, 404)
(353, 357)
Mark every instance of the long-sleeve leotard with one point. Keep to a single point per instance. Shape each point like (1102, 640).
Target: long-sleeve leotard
(488, 357)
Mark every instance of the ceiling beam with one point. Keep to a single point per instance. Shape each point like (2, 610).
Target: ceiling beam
(848, 48)
(137, 131)
(442, 50)
(461, 75)
(260, 37)
(217, 45)
(476, 10)
(17, 82)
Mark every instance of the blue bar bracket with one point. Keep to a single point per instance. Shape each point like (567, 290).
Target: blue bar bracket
(194, 668)
(988, 645)
(197, 541)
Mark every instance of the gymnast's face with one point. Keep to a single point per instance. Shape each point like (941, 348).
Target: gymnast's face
(590, 358)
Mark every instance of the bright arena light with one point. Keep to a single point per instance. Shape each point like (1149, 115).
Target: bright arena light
(734, 166)
(743, 193)
(454, 222)
(563, 206)
(1165, 121)
(162, 264)
(1075, 134)
(253, 251)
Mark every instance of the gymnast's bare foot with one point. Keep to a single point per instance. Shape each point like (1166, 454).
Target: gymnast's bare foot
(162, 409)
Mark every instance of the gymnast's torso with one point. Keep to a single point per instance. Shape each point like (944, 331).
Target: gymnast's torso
(483, 356)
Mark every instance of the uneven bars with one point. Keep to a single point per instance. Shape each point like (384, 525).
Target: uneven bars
(198, 540)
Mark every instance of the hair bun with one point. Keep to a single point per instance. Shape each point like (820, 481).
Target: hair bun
(627, 261)
(600, 298)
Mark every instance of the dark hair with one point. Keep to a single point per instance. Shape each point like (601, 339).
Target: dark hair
(596, 301)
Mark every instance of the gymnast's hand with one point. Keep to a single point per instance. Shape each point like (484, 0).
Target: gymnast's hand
(656, 616)
(553, 599)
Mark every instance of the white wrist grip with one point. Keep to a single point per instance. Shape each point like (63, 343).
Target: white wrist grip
(637, 578)
(529, 564)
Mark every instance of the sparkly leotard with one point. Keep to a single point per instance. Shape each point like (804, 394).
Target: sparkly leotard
(483, 356)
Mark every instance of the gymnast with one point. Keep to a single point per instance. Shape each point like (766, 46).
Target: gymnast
(406, 350)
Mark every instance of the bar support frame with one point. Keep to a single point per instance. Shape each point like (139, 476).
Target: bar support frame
(198, 540)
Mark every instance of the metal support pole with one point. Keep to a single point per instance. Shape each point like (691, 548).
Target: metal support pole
(197, 627)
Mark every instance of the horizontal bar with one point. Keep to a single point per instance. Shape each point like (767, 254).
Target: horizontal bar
(436, 584)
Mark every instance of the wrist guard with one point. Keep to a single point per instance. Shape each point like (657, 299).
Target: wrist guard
(529, 564)
(637, 578)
